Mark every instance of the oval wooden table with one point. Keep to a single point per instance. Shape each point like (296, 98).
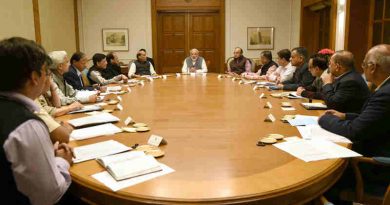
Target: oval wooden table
(212, 126)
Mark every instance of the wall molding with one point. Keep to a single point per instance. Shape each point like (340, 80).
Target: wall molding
(37, 22)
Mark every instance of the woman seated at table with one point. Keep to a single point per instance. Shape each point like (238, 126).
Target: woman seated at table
(268, 66)
(141, 67)
(95, 72)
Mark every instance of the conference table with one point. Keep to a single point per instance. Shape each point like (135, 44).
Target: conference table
(212, 126)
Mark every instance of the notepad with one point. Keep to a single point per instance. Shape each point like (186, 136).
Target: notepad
(96, 150)
(95, 131)
(314, 106)
(93, 120)
(87, 108)
(133, 167)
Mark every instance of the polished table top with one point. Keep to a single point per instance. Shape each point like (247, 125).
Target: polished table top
(212, 126)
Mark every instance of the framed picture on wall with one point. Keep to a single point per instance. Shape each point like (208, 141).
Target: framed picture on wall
(115, 39)
(260, 38)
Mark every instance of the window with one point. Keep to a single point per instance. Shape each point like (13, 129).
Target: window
(381, 22)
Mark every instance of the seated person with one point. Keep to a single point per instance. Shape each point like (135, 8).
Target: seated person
(344, 89)
(113, 68)
(141, 66)
(147, 57)
(239, 64)
(194, 63)
(302, 76)
(268, 66)
(369, 130)
(95, 73)
(52, 104)
(317, 66)
(33, 170)
(285, 71)
(67, 94)
(74, 76)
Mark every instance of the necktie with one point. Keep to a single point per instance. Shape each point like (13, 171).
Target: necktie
(81, 80)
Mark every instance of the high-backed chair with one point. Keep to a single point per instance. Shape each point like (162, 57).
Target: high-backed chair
(364, 193)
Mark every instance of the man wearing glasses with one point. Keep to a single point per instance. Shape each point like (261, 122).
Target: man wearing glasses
(369, 131)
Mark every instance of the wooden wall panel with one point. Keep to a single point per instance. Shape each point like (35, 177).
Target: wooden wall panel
(169, 4)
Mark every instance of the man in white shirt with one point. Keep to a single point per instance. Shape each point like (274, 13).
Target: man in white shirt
(194, 63)
(285, 71)
(32, 170)
(141, 66)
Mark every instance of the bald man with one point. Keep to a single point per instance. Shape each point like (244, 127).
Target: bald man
(370, 130)
(194, 63)
(344, 89)
(239, 64)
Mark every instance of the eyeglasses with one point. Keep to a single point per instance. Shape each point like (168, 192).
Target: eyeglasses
(366, 64)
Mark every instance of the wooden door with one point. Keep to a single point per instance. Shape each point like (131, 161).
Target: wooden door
(204, 29)
(179, 32)
(172, 40)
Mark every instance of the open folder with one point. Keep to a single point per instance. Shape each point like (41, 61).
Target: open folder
(93, 120)
(129, 164)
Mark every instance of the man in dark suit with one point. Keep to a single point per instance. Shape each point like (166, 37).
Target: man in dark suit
(302, 76)
(113, 69)
(74, 76)
(369, 130)
(344, 89)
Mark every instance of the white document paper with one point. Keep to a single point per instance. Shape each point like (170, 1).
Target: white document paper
(288, 108)
(114, 88)
(94, 119)
(106, 179)
(87, 108)
(100, 149)
(316, 132)
(95, 131)
(301, 120)
(314, 150)
(85, 93)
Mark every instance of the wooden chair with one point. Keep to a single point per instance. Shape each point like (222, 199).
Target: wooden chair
(359, 195)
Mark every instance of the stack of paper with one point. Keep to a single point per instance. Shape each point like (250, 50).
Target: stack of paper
(100, 149)
(316, 132)
(93, 120)
(301, 120)
(314, 150)
(90, 132)
(87, 108)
